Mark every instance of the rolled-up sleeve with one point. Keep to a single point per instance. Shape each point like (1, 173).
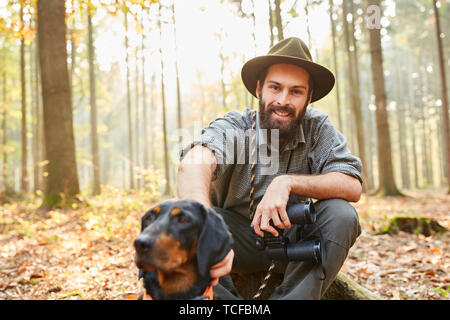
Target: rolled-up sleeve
(214, 137)
(330, 153)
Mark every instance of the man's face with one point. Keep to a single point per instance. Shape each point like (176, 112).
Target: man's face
(283, 99)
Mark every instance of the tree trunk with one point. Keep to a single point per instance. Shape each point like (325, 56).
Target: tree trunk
(444, 97)
(35, 116)
(336, 68)
(24, 177)
(278, 21)
(167, 191)
(354, 89)
(177, 74)
(137, 122)
(4, 128)
(269, 3)
(93, 110)
(62, 181)
(146, 132)
(130, 125)
(387, 184)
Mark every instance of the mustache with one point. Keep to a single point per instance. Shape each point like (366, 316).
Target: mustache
(272, 108)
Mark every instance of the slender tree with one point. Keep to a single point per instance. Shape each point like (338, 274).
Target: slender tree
(4, 113)
(387, 184)
(269, 3)
(354, 88)
(62, 181)
(145, 124)
(336, 68)
(167, 191)
(278, 20)
(93, 109)
(177, 73)
(444, 97)
(24, 177)
(130, 125)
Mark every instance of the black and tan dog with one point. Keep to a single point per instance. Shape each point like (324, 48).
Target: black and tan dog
(179, 242)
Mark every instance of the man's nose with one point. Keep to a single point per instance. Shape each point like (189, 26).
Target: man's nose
(283, 98)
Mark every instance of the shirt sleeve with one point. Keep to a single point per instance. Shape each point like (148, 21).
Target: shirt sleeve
(330, 153)
(216, 138)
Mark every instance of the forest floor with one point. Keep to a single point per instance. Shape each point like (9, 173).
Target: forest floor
(87, 252)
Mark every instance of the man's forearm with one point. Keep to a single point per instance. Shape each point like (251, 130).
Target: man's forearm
(325, 186)
(195, 174)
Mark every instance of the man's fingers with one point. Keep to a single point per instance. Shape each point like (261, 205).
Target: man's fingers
(285, 218)
(256, 225)
(265, 225)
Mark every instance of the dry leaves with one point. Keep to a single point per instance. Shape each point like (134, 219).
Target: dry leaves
(402, 266)
(87, 252)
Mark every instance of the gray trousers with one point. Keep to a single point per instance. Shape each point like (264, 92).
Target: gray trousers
(340, 227)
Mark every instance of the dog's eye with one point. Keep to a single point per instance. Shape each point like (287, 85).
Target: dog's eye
(183, 219)
(150, 217)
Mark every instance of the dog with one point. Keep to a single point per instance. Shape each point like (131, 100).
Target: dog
(180, 241)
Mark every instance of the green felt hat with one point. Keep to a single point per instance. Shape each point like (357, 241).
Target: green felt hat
(293, 51)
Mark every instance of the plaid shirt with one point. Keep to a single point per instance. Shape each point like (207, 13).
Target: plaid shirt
(318, 148)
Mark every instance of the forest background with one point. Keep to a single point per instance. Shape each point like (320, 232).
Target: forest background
(139, 79)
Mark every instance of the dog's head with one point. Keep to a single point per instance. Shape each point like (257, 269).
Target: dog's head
(179, 233)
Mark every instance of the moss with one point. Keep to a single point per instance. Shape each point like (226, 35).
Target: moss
(416, 225)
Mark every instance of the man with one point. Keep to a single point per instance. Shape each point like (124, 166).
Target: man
(312, 161)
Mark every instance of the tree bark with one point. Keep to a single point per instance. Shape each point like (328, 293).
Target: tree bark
(167, 191)
(93, 111)
(336, 68)
(444, 97)
(387, 184)
(62, 181)
(278, 21)
(354, 88)
(270, 22)
(24, 176)
(177, 74)
(130, 125)
(4, 128)
(146, 132)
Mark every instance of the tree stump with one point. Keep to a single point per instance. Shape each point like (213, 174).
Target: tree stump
(342, 288)
(416, 225)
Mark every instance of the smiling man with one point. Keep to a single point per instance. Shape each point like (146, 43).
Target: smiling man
(312, 161)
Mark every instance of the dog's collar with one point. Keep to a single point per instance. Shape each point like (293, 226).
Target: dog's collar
(207, 295)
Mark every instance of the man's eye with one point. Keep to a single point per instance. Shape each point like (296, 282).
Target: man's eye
(274, 88)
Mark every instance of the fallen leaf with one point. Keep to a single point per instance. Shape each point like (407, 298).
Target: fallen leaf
(435, 250)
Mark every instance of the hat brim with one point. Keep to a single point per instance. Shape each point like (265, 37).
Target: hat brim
(323, 78)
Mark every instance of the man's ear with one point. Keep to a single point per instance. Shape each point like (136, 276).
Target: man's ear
(257, 89)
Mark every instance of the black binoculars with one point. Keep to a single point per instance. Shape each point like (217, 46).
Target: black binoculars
(279, 248)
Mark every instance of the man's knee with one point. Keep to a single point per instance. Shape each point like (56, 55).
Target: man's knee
(340, 219)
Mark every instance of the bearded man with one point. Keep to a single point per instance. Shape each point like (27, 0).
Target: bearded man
(312, 161)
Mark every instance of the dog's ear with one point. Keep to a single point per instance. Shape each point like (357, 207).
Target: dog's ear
(144, 224)
(214, 241)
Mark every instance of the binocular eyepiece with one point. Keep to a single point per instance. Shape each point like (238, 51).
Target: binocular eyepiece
(279, 248)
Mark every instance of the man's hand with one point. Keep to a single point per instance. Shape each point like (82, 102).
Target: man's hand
(222, 268)
(273, 207)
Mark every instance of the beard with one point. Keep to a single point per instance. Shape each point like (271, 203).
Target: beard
(287, 129)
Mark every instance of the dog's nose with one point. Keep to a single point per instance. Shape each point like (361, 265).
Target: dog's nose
(142, 243)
